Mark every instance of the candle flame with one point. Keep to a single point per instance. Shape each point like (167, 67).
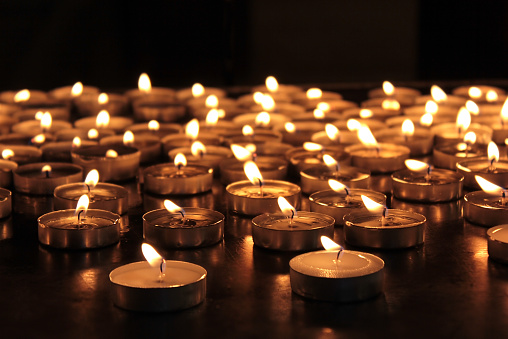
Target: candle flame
(128, 138)
(144, 83)
(23, 95)
(153, 125)
(431, 107)
(426, 120)
(416, 165)
(262, 119)
(408, 128)
(463, 119)
(286, 208)
(46, 121)
(103, 99)
(46, 169)
(92, 178)
(247, 130)
(77, 89)
(353, 125)
(241, 153)
(198, 149)
(252, 172)
(267, 103)
(337, 186)
(491, 96)
(82, 207)
(154, 259)
(493, 152)
(504, 112)
(171, 207)
(373, 206)
(318, 114)
(110, 153)
(192, 129)
(489, 187)
(258, 97)
(212, 101)
(180, 160)
(312, 146)
(437, 93)
(38, 115)
(472, 107)
(102, 120)
(290, 127)
(329, 244)
(7, 154)
(93, 133)
(323, 106)
(271, 84)
(366, 137)
(332, 132)
(212, 117)
(366, 113)
(197, 90)
(388, 88)
(314, 93)
(38, 139)
(474, 92)
(390, 104)
(330, 162)
(470, 138)
(76, 142)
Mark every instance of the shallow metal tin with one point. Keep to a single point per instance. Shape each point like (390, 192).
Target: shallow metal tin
(377, 164)
(5, 202)
(405, 189)
(25, 183)
(155, 181)
(420, 143)
(479, 166)
(271, 168)
(299, 158)
(314, 179)
(6, 168)
(183, 237)
(168, 299)
(248, 205)
(164, 109)
(432, 211)
(498, 250)
(23, 154)
(444, 156)
(148, 145)
(386, 237)
(478, 211)
(79, 238)
(291, 240)
(337, 289)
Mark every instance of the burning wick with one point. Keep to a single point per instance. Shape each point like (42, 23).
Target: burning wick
(81, 208)
(154, 259)
(337, 186)
(174, 208)
(375, 207)
(287, 209)
(331, 245)
(47, 170)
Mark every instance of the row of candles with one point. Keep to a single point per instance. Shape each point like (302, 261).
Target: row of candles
(260, 137)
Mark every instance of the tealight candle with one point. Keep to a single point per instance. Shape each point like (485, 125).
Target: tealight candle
(80, 228)
(313, 96)
(199, 154)
(6, 168)
(336, 274)
(158, 285)
(186, 139)
(299, 132)
(488, 207)
(197, 90)
(91, 104)
(149, 146)
(5, 203)
(419, 141)
(69, 93)
(161, 108)
(34, 127)
(177, 227)
(388, 90)
(374, 113)
(291, 230)
(58, 112)
(153, 127)
(316, 115)
(263, 119)
(447, 133)
(420, 183)
(21, 154)
(24, 97)
(61, 151)
(213, 125)
(447, 155)
(251, 135)
(84, 134)
(43, 178)
(341, 200)
(271, 168)
(104, 120)
(497, 242)
(311, 154)
(441, 98)
(273, 87)
(478, 93)
(177, 178)
(392, 229)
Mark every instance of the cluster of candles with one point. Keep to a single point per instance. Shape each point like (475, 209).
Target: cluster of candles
(267, 148)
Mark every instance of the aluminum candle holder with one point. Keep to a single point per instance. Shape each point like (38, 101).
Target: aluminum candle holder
(447, 155)
(338, 205)
(149, 146)
(484, 209)
(61, 151)
(168, 179)
(135, 287)
(302, 133)
(164, 109)
(231, 169)
(447, 133)
(320, 276)
(303, 232)
(496, 174)
(401, 229)
(33, 127)
(117, 124)
(245, 198)
(433, 212)
(212, 158)
(23, 154)
(124, 166)
(497, 242)
(70, 133)
(420, 143)
(32, 180)
(260, 136)
(61, 229)
(103, 196)
(300, 158)
(173, 141)
(314, 179)
(385, 159)
(438, 186)
(5, 203)
(88, 105)
(6, 168)
(163, 130)
(200, 227)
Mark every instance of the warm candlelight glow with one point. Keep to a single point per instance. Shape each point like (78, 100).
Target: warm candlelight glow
(192, 129)
(77, 89)
(353, 125)
(76, 142)
(128, 138)
(212, 101)
(463, 120)
(92, 178)
(366, 137)
(144, 84)
(111, 153)
(329, 244)
(388, 88)
(408, 128)
(38, 115)
(46, 169)
(198, 149)
(437, 93)
(258, 97)
(22, 95)
(472, 107)
(241, 153)
(271, 84)
(252, 172)
(330, 162)
(504, 113)
(247, 130)
(82, 207)
(46, 121)
(262, 119)
(390, 104)
(290, 127)
(318, 114)
(197, 90)
(171, 207)
(431, 107)
(286, 208)
(103, 99)
(337, 186)
(323, 106)
(332, 132)
(7, 154)
(212, 117)
(312, 146)
(426, 120)
(493, 152)
(474, 92)
(102, 120)
(366, 113)
(38, 139)
(416, 165)
(489, 187)
(491, 96)
(314, 93)
(93, 133)
(180, 160)
(151, 255)
(373, 206)
(153, 125)
(470, 138)
(267, 103)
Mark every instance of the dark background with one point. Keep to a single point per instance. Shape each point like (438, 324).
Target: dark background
(46, 44)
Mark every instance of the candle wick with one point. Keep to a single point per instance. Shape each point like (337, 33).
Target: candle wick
(292, 216)
(338, 254)
(201, 154)
(47, 174)
(254, 156)
(79, 217)
(184, 219)
(503, 198)
(491, 167)
(383, 217)
(162, 269)
(260, 187)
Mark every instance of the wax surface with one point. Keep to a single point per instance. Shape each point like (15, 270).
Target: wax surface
(323, 264)
(71, 223)
(435, 178)
(390, 221)
(269, 191)
(355, 201)
(184, 172)
(298, 223)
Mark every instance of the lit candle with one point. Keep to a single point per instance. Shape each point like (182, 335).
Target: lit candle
(488, 207)
(149, 146)
(497, 242)
(199, 154)
(104, 120)
(478, 93)
(43, 178)
(69, 93)
(419, 141)
(91, 104)
(192, 133)
(447, 155)
(21, 154)
(311, 154)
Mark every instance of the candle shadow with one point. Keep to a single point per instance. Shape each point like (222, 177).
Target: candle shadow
(270, 261)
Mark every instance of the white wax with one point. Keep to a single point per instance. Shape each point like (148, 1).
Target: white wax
(499, 233)
(323, 264)
(142, 275)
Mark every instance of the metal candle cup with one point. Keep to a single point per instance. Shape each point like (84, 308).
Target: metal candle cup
(447, 155)
(61, 229)
(338, 205)
(103, 196)
(303, 232)
(385, 159)
(320, 276)
(61, 151)
(448, 133)
(6, 168)
(168, 179)
(420, 143)
(173, 141)
(23, 154)
(149, 146)
(137, 288)
(163, 129)
(437, 186)
(497, 242)
(212, 158)
(117, 124)
(300, 158)
(302, 133)
(33, 127)
(314, 179)
(401, 229)
(496, 174)
(5, 202)
(231, 170)
(484, 209)
(70, 133)
(124, 166)
(88, 105)
(32, 180)
(245, 198)
(160, 108)
(450, 210)
(200, 227)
